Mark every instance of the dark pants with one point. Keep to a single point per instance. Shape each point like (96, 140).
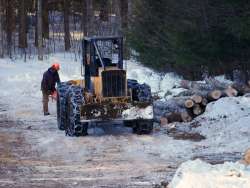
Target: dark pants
(45, 102)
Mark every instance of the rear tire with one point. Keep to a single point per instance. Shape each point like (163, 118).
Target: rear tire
(75, 99)
(140, 92)
(143, 127)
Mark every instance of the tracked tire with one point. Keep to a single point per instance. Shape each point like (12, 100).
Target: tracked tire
(140, 92)
(62, 91)
(143, 127)
(75, 99)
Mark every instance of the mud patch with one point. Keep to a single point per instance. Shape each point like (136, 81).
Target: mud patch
(195, 137)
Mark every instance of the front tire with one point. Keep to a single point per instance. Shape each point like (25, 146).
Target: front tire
(62, 92)
(75, 99)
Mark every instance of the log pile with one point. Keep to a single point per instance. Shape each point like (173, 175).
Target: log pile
(193, 101)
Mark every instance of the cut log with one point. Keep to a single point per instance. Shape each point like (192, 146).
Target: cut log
(216, 84)
(163, 121)
(186, 84)
(186, 93)
(230, 92)
(189, 103)
(186, 117)
(214, 95)
(241, 88)
(204, 102)
(196, 98)
(173, 117)
(197, 110)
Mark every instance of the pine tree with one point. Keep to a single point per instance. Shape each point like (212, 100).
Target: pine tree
(192, 34)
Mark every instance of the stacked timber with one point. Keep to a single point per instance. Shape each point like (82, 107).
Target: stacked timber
(193, 101)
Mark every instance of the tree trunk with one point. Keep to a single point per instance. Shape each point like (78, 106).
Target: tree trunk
(104, 10)
(1, 29)
(45, 17)
(124, 14)
(39, 30)
(22, 24)
(124, 7)
(9, 25)
(88, 17)
(66, 25)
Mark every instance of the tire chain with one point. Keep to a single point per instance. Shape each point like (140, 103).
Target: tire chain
(62, 89)
(75, 128)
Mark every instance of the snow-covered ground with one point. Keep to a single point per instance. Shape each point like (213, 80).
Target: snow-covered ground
(20, 81)
(225, 124)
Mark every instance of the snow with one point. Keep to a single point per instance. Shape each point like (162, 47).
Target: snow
(20, 81)
(159, 83)
(226, 107)
(225, 124)
(199, 174)
(137, 113)
(20, 84)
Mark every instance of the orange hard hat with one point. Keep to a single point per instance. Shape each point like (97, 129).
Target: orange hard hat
(56, 66)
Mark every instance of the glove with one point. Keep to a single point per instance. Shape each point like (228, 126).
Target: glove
(54, 95)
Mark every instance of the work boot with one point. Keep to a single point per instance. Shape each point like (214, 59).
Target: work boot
(46, 113)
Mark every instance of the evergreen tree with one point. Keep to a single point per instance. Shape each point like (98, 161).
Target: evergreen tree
(192, 34)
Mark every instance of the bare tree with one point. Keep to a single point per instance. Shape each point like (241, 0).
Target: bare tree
(39, 30)
(10, 24)
(104, 10)
(22, 24)
(1, 29)
(66, 25)
(124, 10)
(88, 17)
(124, 14)
(45, 17)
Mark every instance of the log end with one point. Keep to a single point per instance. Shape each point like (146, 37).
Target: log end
(163, 121)
(215, 95)
(189, 103)
(196, 98)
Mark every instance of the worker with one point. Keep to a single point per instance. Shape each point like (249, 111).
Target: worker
(50, 78)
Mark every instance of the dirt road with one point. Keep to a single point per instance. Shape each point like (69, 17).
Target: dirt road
(35, 153)
(39, 155)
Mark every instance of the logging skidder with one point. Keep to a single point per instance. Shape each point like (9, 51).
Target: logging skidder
(105, 94)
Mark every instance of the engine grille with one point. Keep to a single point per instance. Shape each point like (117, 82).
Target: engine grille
(114, 83)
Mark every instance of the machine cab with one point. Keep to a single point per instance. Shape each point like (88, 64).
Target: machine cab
(103, 62)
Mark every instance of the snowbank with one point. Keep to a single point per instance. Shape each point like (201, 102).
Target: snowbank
(198, 174)
(159, 83)
(227, 107)
(226, 123)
